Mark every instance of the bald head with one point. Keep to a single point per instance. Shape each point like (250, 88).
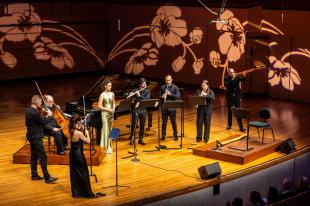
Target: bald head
(49, 100)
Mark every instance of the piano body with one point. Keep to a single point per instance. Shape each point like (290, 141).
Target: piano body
(122, 84)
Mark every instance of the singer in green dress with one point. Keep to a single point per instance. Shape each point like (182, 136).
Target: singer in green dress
(107, 104)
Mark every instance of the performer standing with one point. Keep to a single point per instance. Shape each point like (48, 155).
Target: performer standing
(79, 174)
(233, 95)
(107, 104)
(140, 93)
(59, 138)
(169, 92)
(34, 124)
(204, 112)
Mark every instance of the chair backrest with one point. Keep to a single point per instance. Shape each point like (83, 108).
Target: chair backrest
(114, 134)
(241, 113)
(264, 113)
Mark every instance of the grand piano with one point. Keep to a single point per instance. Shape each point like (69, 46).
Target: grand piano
(122, 84)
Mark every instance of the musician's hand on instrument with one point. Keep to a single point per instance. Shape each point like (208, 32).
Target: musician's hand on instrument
(167, 92)
(138, 93)
(49, 113)
(164, 95)
(55, 129)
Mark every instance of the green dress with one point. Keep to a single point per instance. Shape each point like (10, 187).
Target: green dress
(107, 119)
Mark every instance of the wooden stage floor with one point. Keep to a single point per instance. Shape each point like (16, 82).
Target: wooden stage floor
(158, 175)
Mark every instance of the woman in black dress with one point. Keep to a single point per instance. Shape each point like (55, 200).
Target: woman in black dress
(79, 175)
(204, 112)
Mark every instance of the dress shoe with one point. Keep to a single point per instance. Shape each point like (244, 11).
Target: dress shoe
(37, 178)
(130, 142)
(206, 140)
(98, 194)
(148, 129)
(228, 127)
(198, 140)
(141, 142)
(242, 129)
(175, 138)
(51, 180)
(162, 138)
(61, 153)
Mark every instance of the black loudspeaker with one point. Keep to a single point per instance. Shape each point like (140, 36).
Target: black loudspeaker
(287, 146)
(210, 171)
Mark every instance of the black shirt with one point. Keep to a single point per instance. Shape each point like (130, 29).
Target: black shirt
(174, 92)
(34, 123)
(232, 85)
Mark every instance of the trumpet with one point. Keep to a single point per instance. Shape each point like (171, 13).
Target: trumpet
(131, 94)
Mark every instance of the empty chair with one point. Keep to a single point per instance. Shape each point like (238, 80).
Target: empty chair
(265, 115)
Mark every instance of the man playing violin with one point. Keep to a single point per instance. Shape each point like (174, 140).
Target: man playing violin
(233, 94)
(139, 94)
(34, 123)
(59, 138)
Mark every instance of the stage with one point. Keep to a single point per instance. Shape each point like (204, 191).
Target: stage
(158, 174)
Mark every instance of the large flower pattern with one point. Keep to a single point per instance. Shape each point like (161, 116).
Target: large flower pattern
(146, 56)
(26, 25)
(231, 42)
(46, 49)
(166, 29)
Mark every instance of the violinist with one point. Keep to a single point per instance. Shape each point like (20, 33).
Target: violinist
(139, 94)
(34, 123)
(79, 174)
(204, 112)
(233, 94)
(59, 137)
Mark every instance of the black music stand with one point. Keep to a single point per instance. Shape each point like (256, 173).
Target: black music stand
(196, 100)
(143, 104)
(91, 148)
(243, 114)
(114, 135)
(172, 104)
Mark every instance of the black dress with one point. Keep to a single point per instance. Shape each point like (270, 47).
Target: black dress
(79, 175)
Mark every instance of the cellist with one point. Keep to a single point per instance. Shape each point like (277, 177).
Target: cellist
(60, 140)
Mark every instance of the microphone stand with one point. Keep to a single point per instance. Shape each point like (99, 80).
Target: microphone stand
(90, 145)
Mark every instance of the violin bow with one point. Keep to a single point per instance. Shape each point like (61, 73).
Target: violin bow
(41, 95)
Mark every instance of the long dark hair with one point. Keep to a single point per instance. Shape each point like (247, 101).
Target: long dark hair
(73, 120)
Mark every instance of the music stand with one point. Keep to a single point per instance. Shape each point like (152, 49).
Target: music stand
(172, 104)
(243, 114)
(114, 135)
(86, 122)
(143, 104)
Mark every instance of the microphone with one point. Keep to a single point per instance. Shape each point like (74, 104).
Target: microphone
(119, 24)
(218, 20)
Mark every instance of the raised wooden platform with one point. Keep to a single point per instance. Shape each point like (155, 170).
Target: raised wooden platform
(233, 149)
(22, 156)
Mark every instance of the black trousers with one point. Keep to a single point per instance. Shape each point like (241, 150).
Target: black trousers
(171, 113)
(141, 114)
(204, 114)
(59, 139)
(38, 152)
(233, 100)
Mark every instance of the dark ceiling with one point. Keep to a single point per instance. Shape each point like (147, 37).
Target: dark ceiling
(266, 4)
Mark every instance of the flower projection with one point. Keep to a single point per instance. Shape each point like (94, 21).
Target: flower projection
(26, 25)
(231, 42)
(166, 29)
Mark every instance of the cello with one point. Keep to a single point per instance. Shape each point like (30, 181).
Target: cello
(60, 118)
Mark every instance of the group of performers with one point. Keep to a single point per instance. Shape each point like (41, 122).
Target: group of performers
(38, 125)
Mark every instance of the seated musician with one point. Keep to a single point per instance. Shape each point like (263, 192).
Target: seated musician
(60, 140)
(139, 94)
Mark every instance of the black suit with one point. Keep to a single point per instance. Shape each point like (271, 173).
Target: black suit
(35, 124)
(204, 113)
(233, 96)
(171, 112)
(139, 113)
